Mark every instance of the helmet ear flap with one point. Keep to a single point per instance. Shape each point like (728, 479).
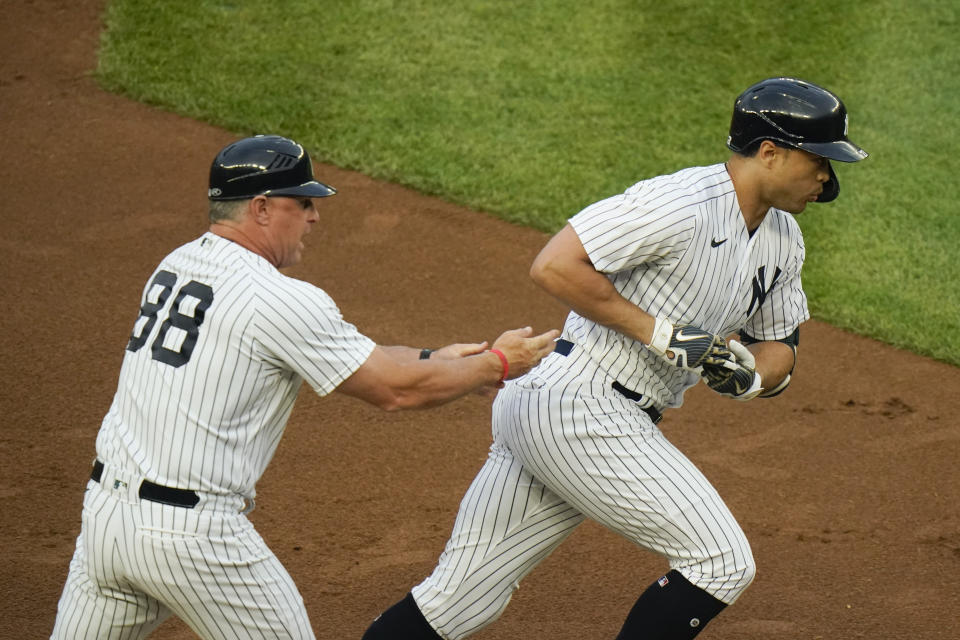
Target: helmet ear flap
(831, 188)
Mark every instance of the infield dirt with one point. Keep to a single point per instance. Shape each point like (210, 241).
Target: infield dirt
(847, 485)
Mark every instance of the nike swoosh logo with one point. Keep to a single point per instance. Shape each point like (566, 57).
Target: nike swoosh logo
(682, 337)
(715, 243)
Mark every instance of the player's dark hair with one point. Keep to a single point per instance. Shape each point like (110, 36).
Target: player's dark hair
(751, 149)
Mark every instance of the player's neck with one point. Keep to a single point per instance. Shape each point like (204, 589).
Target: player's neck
(753, 207)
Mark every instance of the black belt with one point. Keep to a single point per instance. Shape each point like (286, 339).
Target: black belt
(563, 347)
(155, 492)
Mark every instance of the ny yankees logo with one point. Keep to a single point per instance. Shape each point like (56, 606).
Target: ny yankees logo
(760, 290)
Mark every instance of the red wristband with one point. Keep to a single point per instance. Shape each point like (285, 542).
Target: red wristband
(503, 361)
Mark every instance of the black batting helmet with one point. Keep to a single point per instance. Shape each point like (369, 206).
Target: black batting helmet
(264, 165)
(797, 114)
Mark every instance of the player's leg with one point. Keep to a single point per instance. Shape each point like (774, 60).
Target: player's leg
(507, 523)
(606, 458)
(97, 603)
(710, 557)
(402, 620)
(672, 608)
(215, 572)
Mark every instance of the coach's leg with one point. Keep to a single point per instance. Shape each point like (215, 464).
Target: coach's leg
(217, 574)
(97, 602)
(87, 611)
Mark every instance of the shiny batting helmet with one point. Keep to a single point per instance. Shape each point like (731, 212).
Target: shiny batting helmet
(264, 165)
(798, 114)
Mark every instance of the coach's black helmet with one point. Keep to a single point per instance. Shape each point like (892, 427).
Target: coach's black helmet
(264, 165)
(798, 114)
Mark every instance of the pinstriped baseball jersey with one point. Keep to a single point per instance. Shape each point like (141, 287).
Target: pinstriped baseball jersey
(568, 446)
(577, 437)
(678, 247)
(217, 356)
(220, 348)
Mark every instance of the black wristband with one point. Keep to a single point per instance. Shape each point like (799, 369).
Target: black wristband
(425, 353)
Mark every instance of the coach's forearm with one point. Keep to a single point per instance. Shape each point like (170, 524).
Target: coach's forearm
(401, 353)
(432, 383)
(410, 383)
(449, 352)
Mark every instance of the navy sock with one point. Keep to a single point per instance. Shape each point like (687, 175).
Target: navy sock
(402, 621)
(672, 608)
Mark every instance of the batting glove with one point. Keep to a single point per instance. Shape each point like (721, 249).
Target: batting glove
(736, 378)
(686, 346)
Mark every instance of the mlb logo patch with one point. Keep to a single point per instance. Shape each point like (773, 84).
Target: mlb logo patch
(663, 581)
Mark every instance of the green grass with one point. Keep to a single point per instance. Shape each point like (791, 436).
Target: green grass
(532, 110)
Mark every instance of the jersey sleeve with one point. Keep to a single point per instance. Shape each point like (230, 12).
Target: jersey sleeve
(302, 328)
(633, 228)
(785, 306)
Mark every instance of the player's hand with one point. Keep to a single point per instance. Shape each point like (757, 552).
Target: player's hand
(736, 378)
(523, 350)
(686, 346)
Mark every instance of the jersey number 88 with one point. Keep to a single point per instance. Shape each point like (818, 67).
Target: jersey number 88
(189, 324)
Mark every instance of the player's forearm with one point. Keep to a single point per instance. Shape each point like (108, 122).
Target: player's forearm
(592, 295)
(774, 360)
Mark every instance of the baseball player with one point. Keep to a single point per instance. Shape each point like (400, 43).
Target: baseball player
(657, 278)
(218, 352)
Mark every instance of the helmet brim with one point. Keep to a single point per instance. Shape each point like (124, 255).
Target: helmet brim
(840, 150)
(312, 189)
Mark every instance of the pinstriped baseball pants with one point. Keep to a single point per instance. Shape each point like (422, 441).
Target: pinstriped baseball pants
(137, 563)
(565, 449)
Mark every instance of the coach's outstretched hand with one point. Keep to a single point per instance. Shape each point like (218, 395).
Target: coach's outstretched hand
(459, 350)
(523, 350)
